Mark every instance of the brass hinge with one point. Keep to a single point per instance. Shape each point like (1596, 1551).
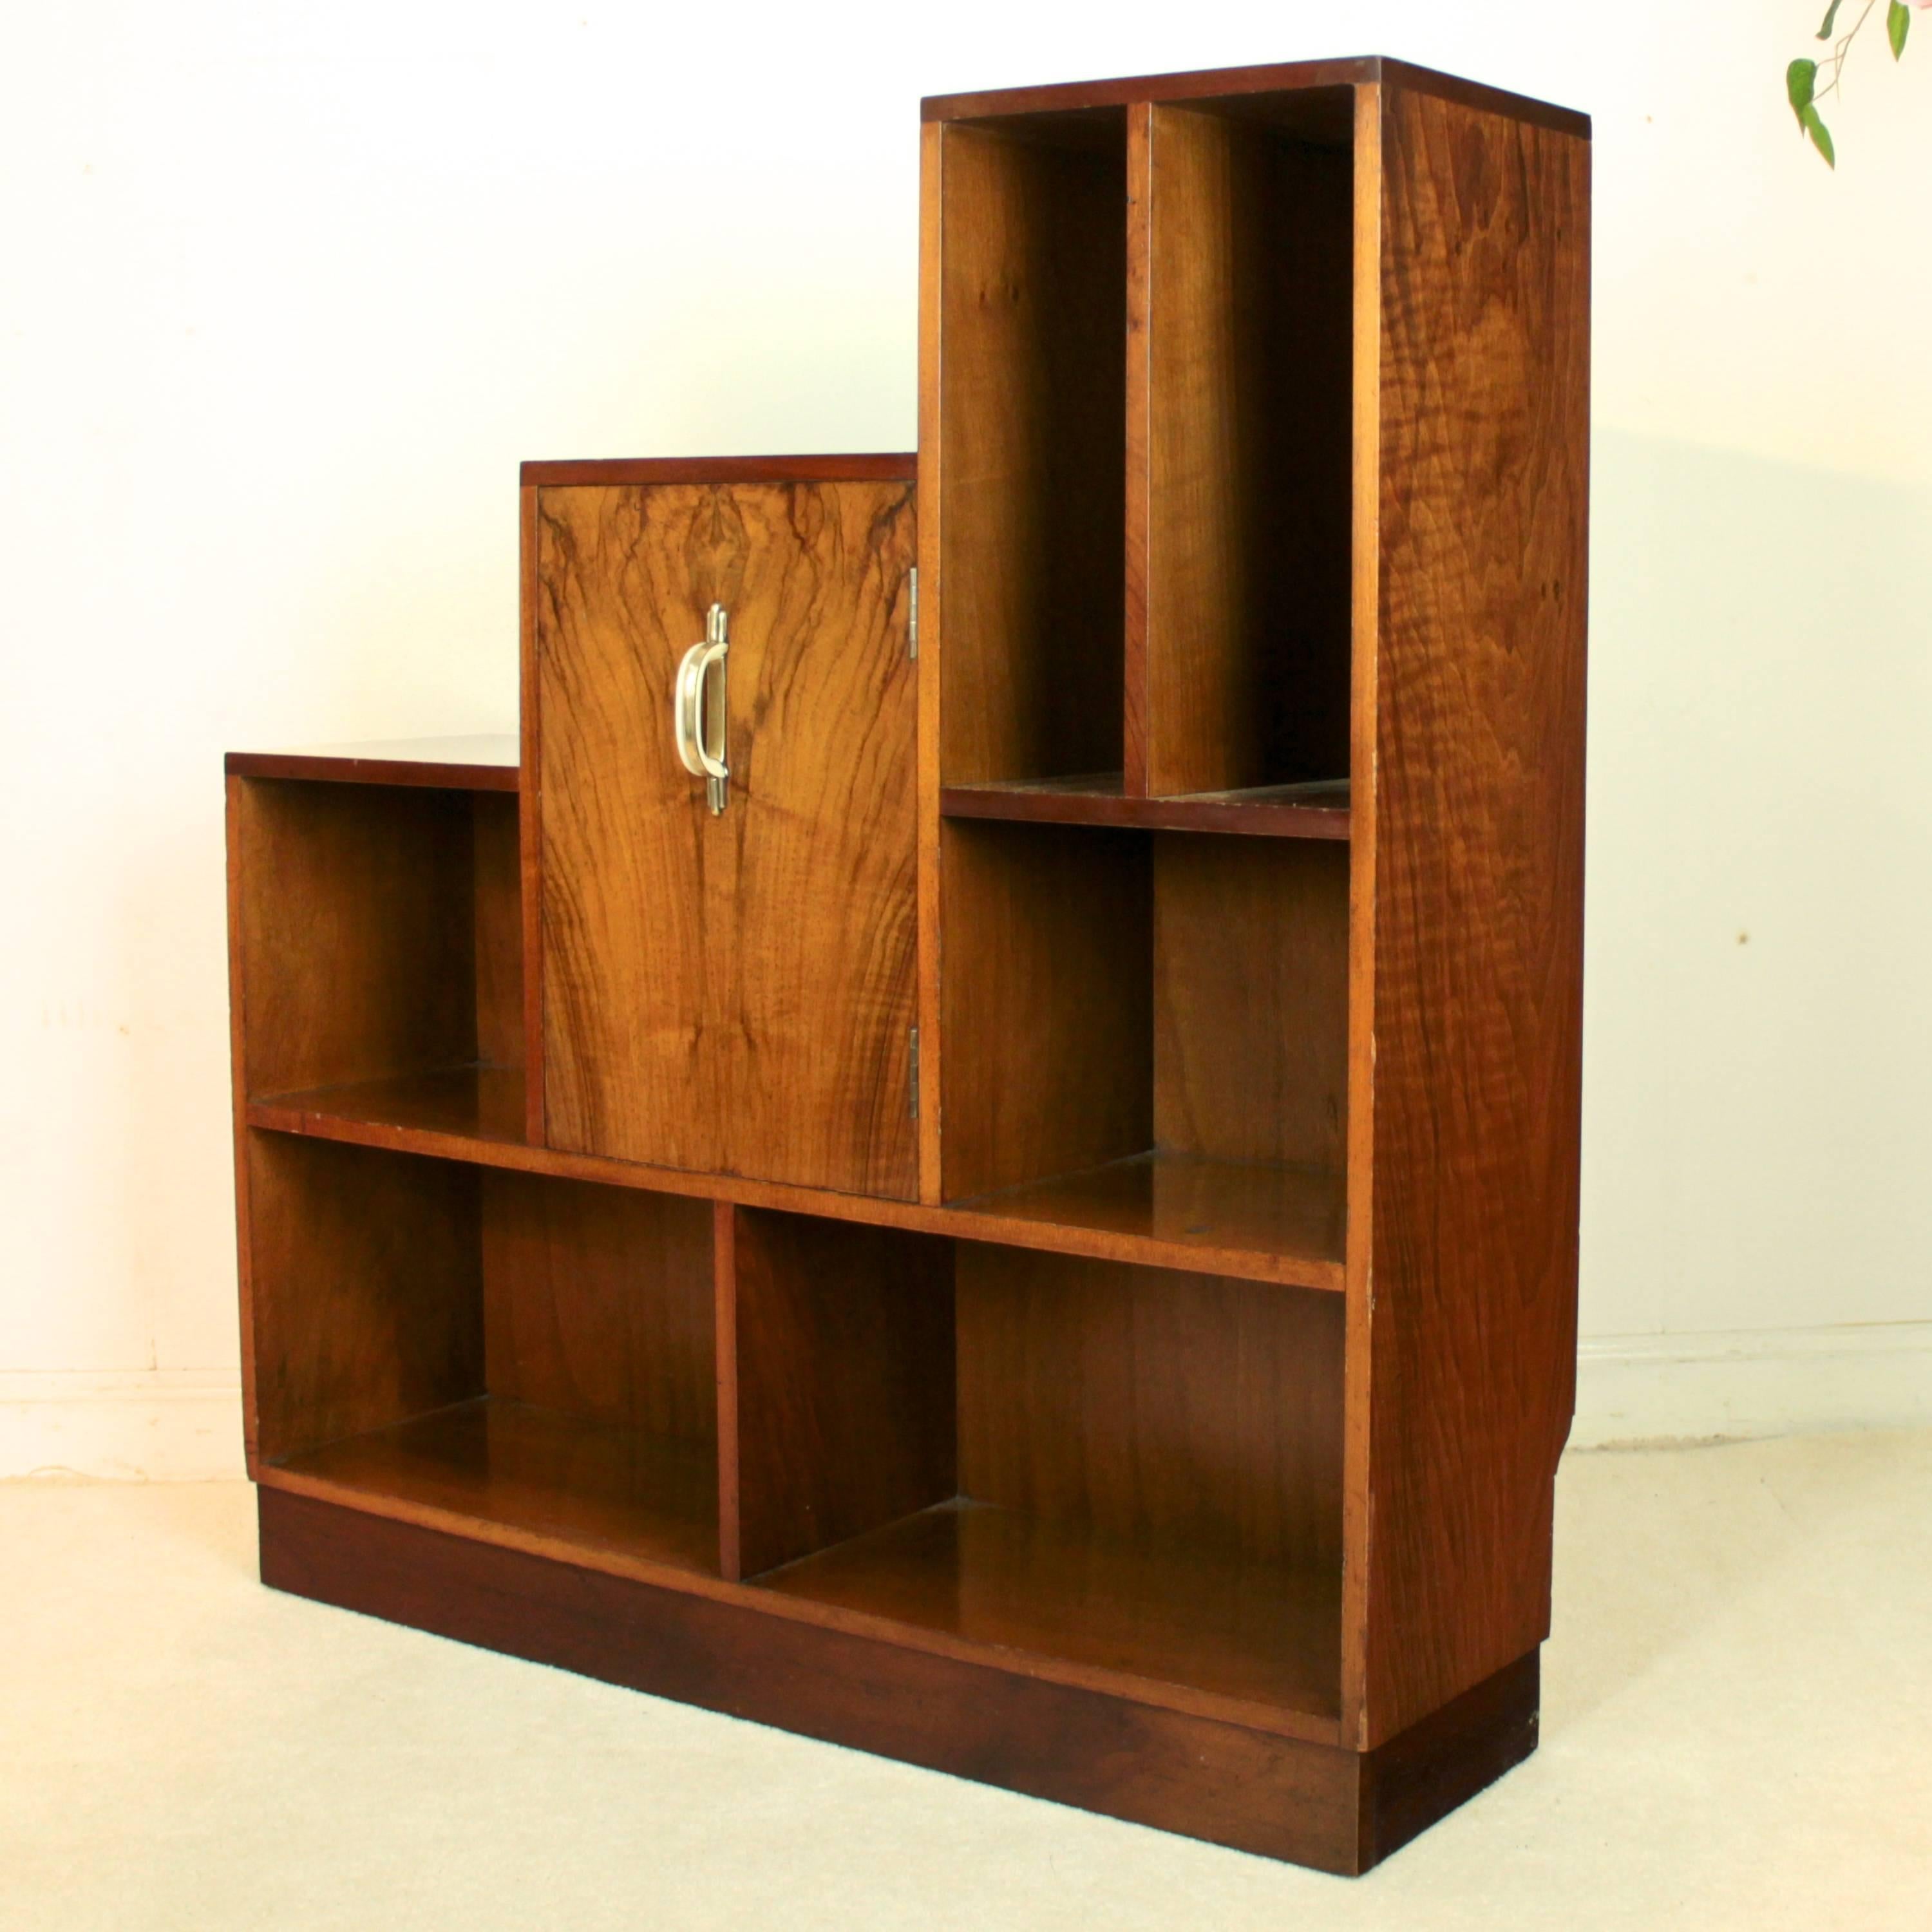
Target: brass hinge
(913, 1032)
(912, 622)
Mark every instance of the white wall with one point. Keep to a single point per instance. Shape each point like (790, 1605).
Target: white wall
(287, 291)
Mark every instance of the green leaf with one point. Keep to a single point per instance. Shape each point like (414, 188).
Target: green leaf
(1800, 77)
(1821, 137)
(1898, 18)
(1825, 31)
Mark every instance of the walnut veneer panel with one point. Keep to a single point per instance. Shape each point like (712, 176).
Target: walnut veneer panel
(732, 994)
(1477, 845)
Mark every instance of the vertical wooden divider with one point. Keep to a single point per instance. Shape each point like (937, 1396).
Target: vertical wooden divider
(1365, 594)
(725, 1282)
(1139, 562)
(530, 821)
(838, 1402)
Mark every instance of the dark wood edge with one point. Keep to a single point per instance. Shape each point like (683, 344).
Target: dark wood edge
(725, 1316)
(1399, 74)
(897, 468)
(577, 1560)
(1209, 83)
(372, 771)
(237, 1076)
(530, 829)
(1198, 814)
(1442, 1761)
(1324, 1275)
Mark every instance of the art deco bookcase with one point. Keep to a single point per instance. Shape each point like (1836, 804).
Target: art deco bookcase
(972, 1148)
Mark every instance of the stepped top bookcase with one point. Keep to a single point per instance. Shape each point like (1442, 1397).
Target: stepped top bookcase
(971, 1147)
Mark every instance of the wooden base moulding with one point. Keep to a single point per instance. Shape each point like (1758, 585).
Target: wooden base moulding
(1339, 1811)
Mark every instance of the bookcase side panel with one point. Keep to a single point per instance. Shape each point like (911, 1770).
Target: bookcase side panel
(1478, 696)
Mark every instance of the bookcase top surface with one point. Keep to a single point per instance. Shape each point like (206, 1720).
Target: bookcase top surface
(896, 466)
(485, 762)
(1213, 82)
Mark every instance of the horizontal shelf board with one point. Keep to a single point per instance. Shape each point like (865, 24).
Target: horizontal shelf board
(484, 1103)
(1264, 1633)
(1201, 1207)
(1253, 1223)
(480, 763)
(592, 1484)
(1274, 812)
(423, 1505)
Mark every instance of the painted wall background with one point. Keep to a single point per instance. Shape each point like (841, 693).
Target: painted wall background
(285, 292)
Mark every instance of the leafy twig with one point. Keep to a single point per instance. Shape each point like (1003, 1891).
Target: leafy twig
(1801, 77)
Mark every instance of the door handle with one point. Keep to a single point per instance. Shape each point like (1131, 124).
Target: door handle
(698, 708)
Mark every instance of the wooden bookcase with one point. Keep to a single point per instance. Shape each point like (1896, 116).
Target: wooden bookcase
(1040, 1238)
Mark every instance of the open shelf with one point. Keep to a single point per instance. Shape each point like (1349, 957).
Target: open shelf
(481, 1103)
(1243, 377)
(1183, 1200)
(1317, 809)
(1032, 426)
(536, 1353)
(1108, 994)
(377, 940)
(1265, 1633)
(1127, 1468)
(577, 1481)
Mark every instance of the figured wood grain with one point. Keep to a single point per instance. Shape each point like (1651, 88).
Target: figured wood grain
(843, 1382)
(589, 1481)
(1477, 855)
(357, 922)
(1032, 344)
(733, 993)
(1245, 612)
(1047, 1000)
(1251, 999)
(598, 1303)
(366, 1297)
(1172, 1412)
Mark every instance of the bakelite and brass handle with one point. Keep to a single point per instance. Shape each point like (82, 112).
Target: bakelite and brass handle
(698, 711)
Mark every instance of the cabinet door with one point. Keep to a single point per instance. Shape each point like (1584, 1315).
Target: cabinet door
(731, 992)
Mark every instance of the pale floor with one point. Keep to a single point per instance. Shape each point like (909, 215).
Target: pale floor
(1737, 1733)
